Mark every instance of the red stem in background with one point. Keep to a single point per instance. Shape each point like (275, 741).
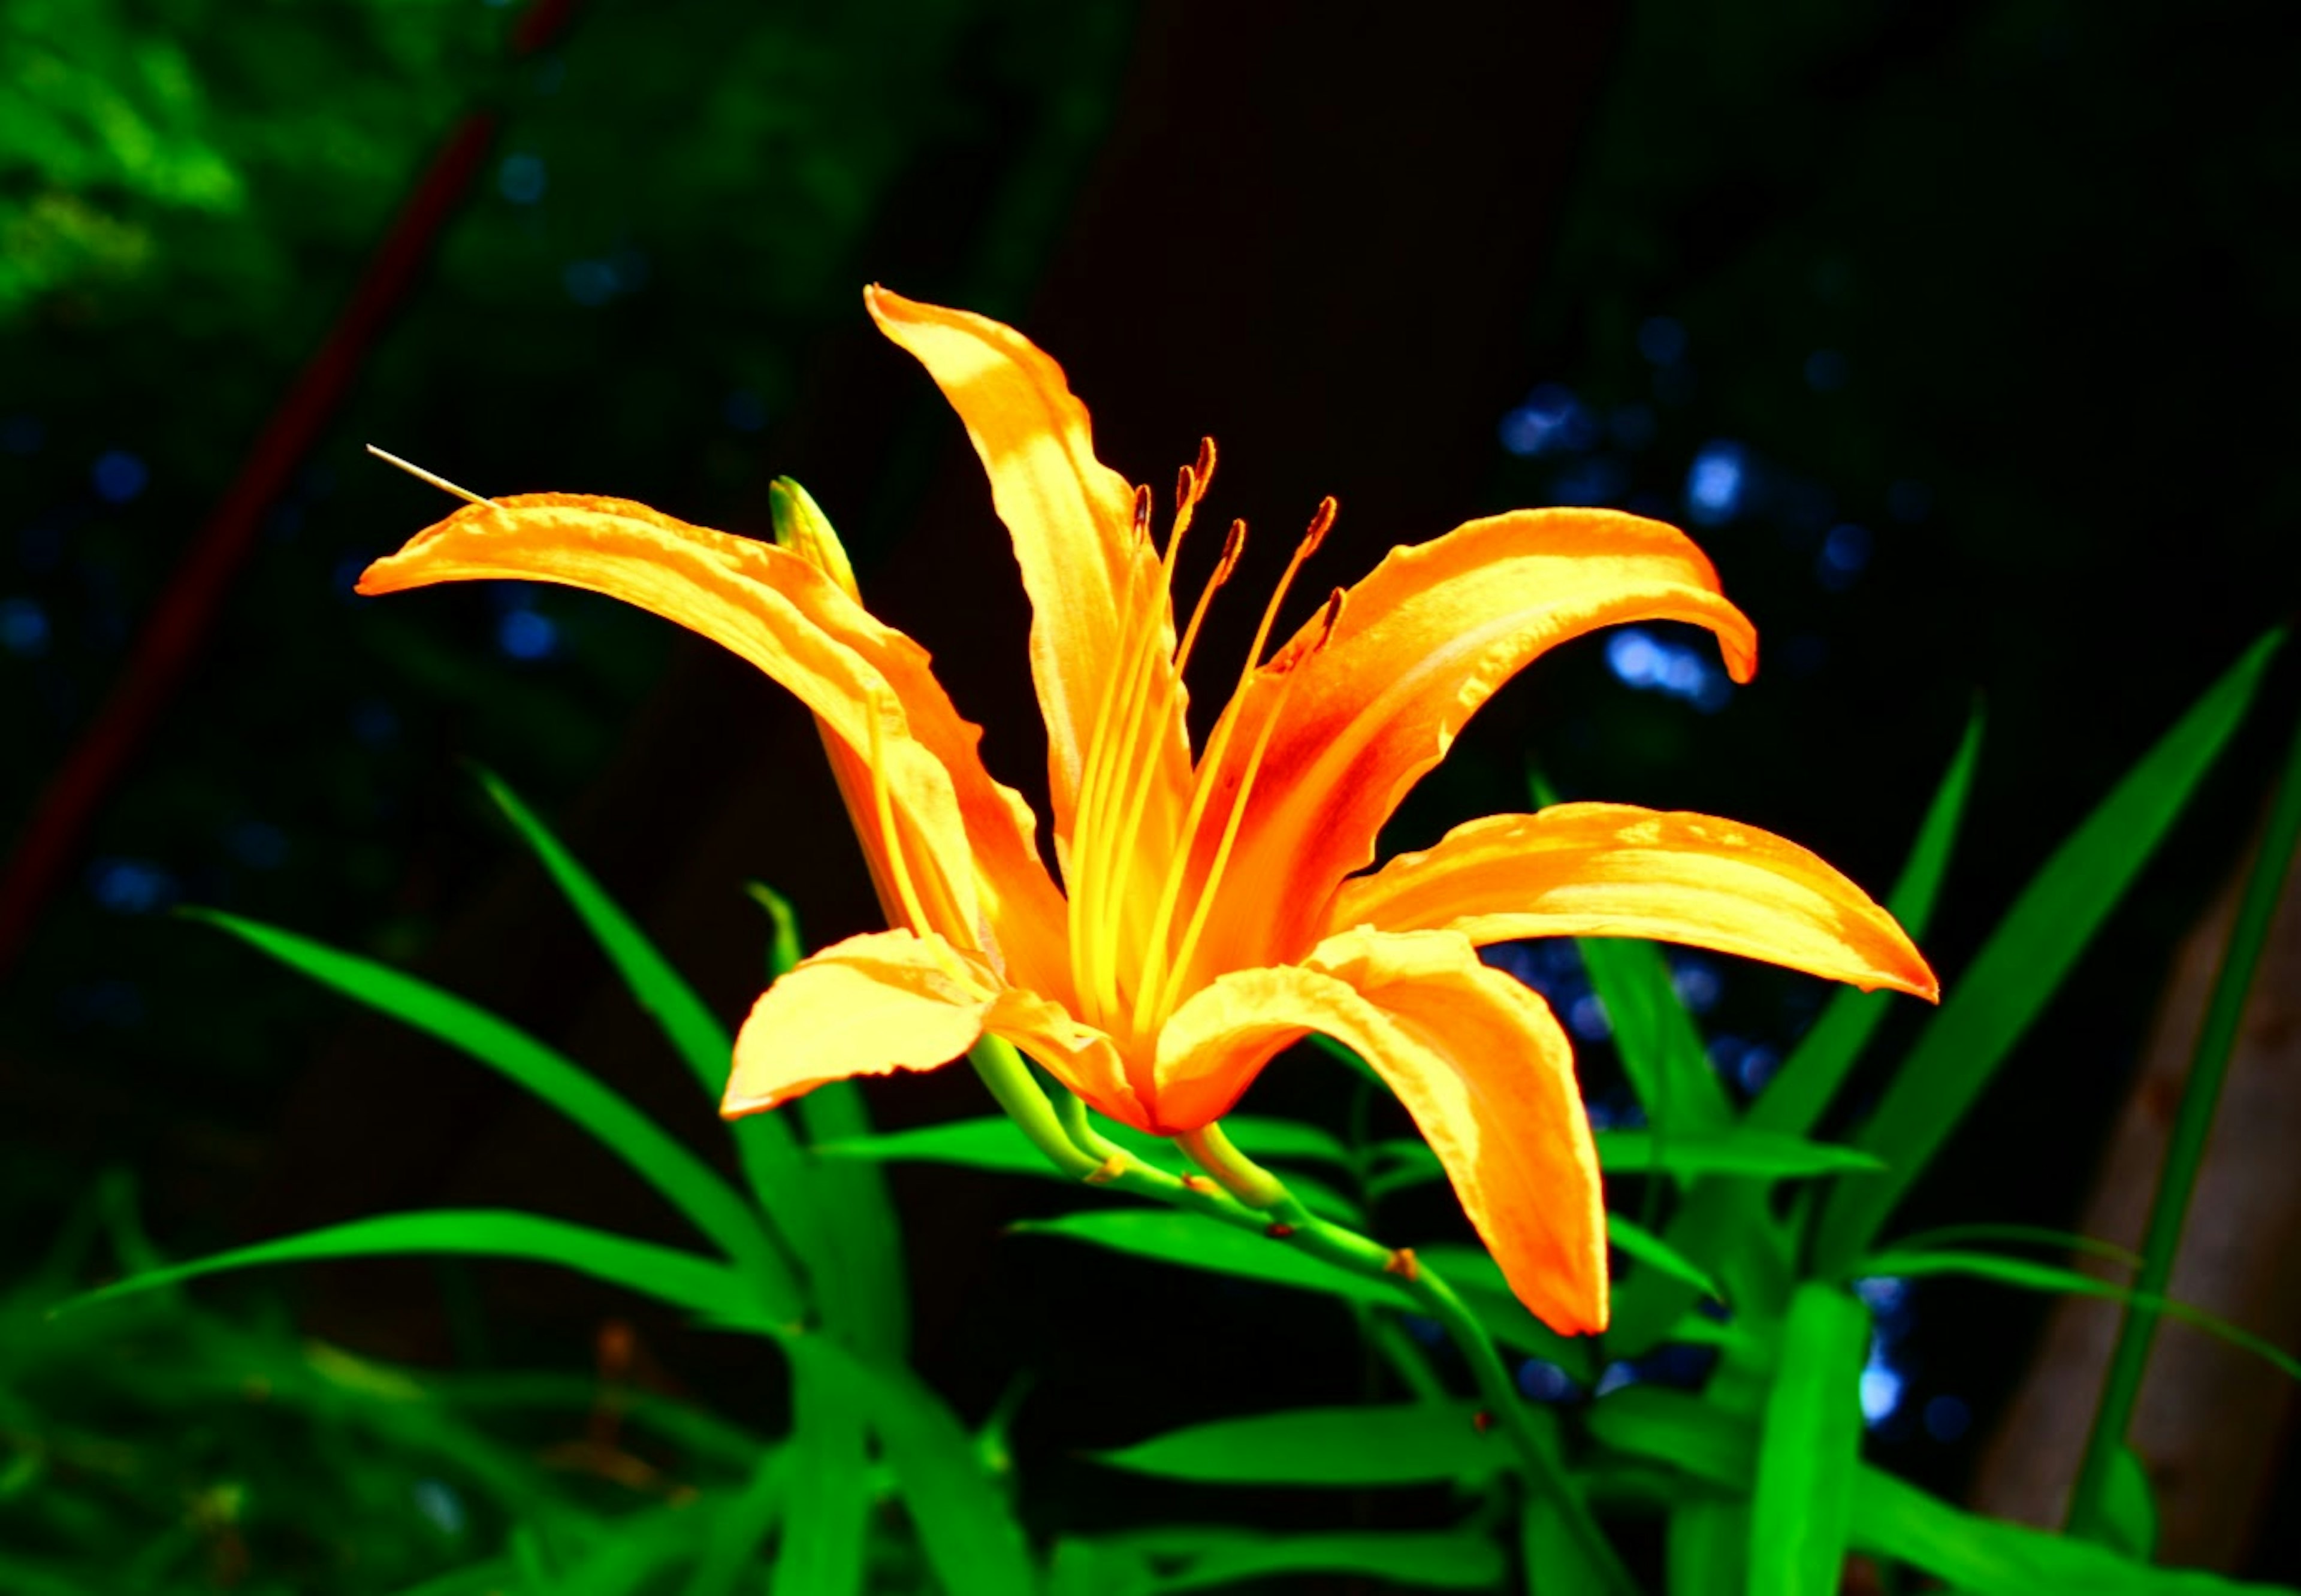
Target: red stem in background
(188, 604)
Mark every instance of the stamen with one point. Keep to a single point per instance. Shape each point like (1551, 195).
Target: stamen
(883, 800)
(1180, 964)
(1233, 545)
(420, 474)
(1164, 970)
(1205, 471)
(1149, 698)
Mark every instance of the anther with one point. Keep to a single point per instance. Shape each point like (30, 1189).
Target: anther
(1205, 473)
(1186, 490)
(1233, 546)
(1334, 613)
(1319, 524)
(1143, 511)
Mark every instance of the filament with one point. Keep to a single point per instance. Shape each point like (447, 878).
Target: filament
(420, 474)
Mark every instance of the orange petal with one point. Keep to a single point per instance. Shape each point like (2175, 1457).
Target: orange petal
(1614, 870)
(1477, 1059)
(868, 1006)
(1075, 1053)
(1421, 643)
(966, 839)
(1072, 519)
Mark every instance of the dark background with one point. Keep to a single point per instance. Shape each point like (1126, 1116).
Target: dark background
(1962, 336)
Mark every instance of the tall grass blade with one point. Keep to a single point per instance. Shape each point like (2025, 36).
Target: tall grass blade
(684, 1180)
(827, 1520)
(681, 1278)
(771, 1159)
(2185, 1148)
(1993, 1003)
(1802, 1510)
(1794, 1101)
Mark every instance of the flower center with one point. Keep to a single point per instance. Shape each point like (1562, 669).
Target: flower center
(1137, 908)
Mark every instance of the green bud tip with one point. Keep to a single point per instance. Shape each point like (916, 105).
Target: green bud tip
(802, 528)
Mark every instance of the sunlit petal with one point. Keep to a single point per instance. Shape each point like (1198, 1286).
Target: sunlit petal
(956, 827)
(1478, 1061)
(868, 1006)
(1071, 518)
(1421, 643)
(1614, 870)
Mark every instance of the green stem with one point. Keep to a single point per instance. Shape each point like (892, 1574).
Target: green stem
(2185, 1150)
(1258, 1189)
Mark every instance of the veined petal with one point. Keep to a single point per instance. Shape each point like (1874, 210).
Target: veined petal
(1614, 870)
(1478, 1059)
(1072, 519)
(957, 828)
(869, 1006)
(1421, 643)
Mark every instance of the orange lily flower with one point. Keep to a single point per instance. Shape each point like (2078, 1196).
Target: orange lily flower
(1210, 912)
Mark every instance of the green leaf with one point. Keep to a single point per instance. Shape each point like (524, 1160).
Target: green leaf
(1765, 1155)
(684, 1180)
(1261, 1136)
(1195, 1243)
(1982, 1557)
(1707, 1546)
(2185, 1147)
(1808, 1079)
(770, 1158)
(1993, 1003)
(698, 1284)
(1802, 1508)
(995, 1143)
(1985, 1557)
(2060, 1241)
(1403, 1444)
(1660, 1048)
(1428, 1561)
(2033, 1276)
(827, 1510)
(1643, 1245)
(991, 1142)
(971, 1539)
(2129, 1507)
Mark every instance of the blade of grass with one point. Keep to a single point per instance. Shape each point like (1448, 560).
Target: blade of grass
(2185, 1147)
(972, 1541)
(769, 1155)
(828, 1517)
(1801, 1510)
(2024, 961)
(1405, 1444)
(681, 1278)
(1792, 1102)
(739, 1533)
(684, 1180)
(2030, 1275)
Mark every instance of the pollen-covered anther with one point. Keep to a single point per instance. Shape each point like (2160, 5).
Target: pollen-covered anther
(1234, 547)
(1205, 469)
(1321, 522)
(1186, 490)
